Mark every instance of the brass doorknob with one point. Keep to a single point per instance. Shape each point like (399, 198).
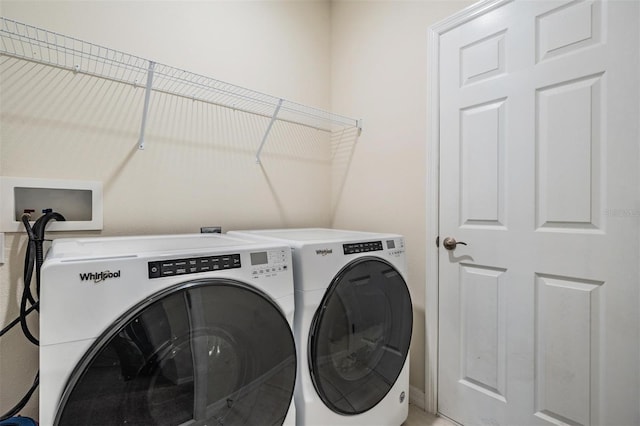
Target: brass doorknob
(451, 243)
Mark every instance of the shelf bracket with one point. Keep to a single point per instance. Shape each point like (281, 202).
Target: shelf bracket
(145, 110)
(266, 133)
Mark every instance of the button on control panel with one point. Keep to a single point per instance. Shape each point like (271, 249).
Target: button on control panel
(352, 248)
(192, 265)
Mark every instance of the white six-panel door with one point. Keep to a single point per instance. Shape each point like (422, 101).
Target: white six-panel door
(539, 317)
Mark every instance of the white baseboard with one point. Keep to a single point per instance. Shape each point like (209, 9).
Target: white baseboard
(417, 397)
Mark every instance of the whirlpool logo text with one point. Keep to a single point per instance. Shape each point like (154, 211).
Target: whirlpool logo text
(97, 277)
(324, 252)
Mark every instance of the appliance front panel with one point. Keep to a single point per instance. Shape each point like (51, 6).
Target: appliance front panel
(79, 299)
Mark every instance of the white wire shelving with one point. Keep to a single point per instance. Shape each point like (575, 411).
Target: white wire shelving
(38, 45)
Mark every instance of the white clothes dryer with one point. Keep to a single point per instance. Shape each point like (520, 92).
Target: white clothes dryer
(171, 330)
(353, 324)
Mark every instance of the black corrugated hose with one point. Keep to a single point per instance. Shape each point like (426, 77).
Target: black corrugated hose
(34, 258)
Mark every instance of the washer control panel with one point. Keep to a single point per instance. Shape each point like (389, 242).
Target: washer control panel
(192, 265)
(395, 247)
(364, 247)
(268, 263)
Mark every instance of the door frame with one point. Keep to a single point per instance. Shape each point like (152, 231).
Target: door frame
(433, 189)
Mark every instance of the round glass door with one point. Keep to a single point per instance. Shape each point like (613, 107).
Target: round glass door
(205, 352)
(360, 336)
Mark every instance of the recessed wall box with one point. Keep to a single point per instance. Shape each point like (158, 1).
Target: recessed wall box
(80, 202)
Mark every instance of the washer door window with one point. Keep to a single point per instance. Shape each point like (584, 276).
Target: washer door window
(205, 352)
(360, 336)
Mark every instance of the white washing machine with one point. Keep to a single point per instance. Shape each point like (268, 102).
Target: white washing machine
(172, 330)
(353, 323)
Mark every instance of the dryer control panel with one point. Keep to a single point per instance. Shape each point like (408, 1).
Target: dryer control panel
(192, 265)
(267, 263)
(363, 247)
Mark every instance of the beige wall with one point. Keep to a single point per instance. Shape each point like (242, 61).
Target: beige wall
(363, 58)
(379, 72)
(199, 166)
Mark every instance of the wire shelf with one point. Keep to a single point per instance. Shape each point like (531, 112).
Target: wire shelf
(34, 44)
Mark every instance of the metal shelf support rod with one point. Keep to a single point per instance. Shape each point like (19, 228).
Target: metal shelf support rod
(145, 109)
(266, 133)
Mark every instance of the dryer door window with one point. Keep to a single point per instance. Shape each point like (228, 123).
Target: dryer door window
(360, 335)
(204, 352)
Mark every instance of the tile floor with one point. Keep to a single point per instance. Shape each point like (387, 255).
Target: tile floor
(417, 417)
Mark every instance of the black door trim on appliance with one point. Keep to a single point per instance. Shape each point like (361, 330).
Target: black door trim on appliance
(360, 335)
(214, 337)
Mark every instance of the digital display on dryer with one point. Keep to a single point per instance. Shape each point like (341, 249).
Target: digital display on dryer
(259, 258)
